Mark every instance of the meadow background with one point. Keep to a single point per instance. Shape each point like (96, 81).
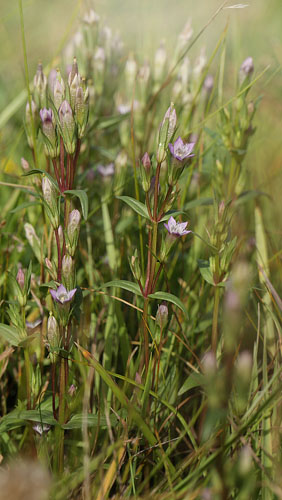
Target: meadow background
(86, 463)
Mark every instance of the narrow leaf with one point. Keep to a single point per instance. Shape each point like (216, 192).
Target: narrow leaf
(137, 206)
(169, 297)
(83, 198)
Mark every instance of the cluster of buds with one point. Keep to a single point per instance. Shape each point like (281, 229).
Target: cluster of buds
(67, 114)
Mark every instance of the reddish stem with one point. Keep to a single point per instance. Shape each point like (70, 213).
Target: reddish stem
(59, 274)
(62, 163)
(57, 175)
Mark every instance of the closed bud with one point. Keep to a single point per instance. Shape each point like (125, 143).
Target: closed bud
(40, 85)
(68, 272)
(81, 108)
(50, 268)
(20, 278)
(49, 132)
(58, 90)
(162, 316)
(135, 266)
(31, 120)
(130, 71)
(67, 126)
(73, 231)
(53, 335)
(33, 240)
(24, 164)
(246, 70)
(74, 81)
(184, 37)
(209, 364)
(166, 131)
(145, 170)
(50, 198)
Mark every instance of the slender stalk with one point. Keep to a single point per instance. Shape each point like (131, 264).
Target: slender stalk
(28, 377)
(60, 450)
(59, 255)
(162, 209)
(53, 375)
(62, 163)
(215, 319)
(145, 334)
(57, 175)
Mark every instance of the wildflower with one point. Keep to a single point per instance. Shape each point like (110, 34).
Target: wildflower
(107, 170)
(41, 428)
(20, 278)
(72, 390)
(180, 150)
(61, 295)
(176, 229)
(246, 70)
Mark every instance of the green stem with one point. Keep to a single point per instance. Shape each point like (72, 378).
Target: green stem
(28, 377)
(145, 334)
(60, 430)
(215, 319)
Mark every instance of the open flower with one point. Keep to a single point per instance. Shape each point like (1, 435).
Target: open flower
(61, 295)
(176, 229)
(180, 150)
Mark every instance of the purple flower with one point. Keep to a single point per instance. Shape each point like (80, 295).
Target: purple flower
(107, 170)
(176, 228)
(61, 295)
(180, 150)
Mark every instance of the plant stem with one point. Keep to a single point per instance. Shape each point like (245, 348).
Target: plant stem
(59, 274)
(62, 163)
(28, 376)
(145, 334)
(60, 450)
(215, 319)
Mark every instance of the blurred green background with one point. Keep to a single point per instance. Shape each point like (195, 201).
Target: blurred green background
(252, 31)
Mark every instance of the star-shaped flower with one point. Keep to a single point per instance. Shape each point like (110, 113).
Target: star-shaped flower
(61, 295)
(176, 228)
(180, 150)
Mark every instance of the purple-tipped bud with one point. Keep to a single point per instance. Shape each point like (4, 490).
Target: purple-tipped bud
(146, 162)
(20, 278)
(52, 77)
(162, 316)
(53, 331)
(81, 99)
(67, 126)
(72, 390)
(74, 71)
(49, 132)
(24, 164)
(50, 268)
(246, 69)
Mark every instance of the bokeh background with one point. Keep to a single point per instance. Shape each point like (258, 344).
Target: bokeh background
(252, 31)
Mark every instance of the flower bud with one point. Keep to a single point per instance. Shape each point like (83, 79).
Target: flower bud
(91, 18)
(166, 131)
(33, 240)
(73, 231)
(74, 81)
(52, 80)
(53, 335)
(49, 132)
(145, 170)
(40, 84)
(59, 90)
(81, 108)
(184, 37)
(162, 316)
(50, 268)
(20, 278)
(135, 266)
(130, 71)
(68, 272)
(246, 70)
(24, 164)
(31, 120)
(67, 126)
(50, 198)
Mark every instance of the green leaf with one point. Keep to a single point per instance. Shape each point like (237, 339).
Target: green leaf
(126, 285)
(109, 121)
(17, 418)
(249, 195)
(171, 213)
(198, 202)
(137, 206)
(42, 172)
(51, 284)
(78, 420)
(22, 206)
(205, 271)
(169, 298)
(10, 334)
(83, 198)
(194, 380)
